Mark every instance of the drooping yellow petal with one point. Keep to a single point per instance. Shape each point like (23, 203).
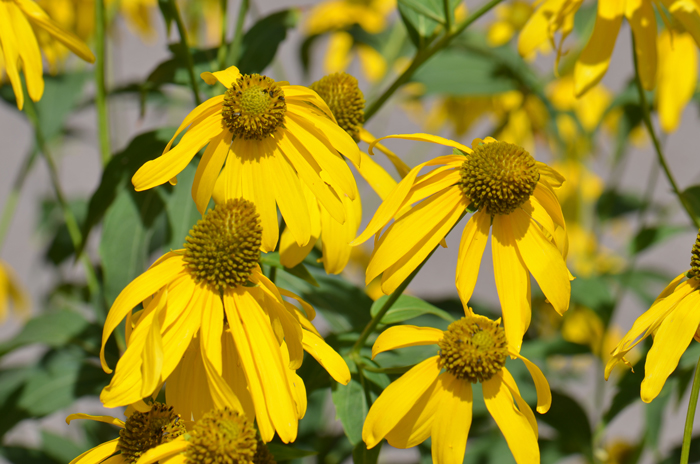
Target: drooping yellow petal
(235, 377)
(200, 113)
(595, 58)
(687, 13)
(326, 356)
(670, 342)
(471, 249)
(544, 394)
(338, 55)
(429, 231)
(419, 137)
(642, 19)
(678, 76)
(336, 237)
(221, 393)
(40, 19)
(519, 435)
(453, 419)
(512, 281)
(401, 336)
(397, 400)
(212, 326)
(29, 53)
(189, 376)
(138, 290)
(522, 405)
(11, 53)
(153, 353)
(209, 168)
(415, 427)
(98, 454)
(536, 30)
(551, 176)
(398, 163)
(375, 175)
(291, 253)
(542, 259)
(105, 419)
(372, 62)
(163, 451)
(170, 164)
(182, 321)
(226, 77)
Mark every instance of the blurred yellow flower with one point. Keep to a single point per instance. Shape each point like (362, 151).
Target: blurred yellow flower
(511, 192)
(554, 16)
(340, 53)
(673, 320)
(280, 144)
(335, 15)
(138, 15)
(583, 326)
(426, 402)
(11, 291)
(19, 19)
(76, 16)
(192, 293)
(510, 19)
(677, 76)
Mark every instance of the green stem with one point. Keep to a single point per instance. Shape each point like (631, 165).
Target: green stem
(221, 54)
(448, 15)
(101, 96)
(688, 432)
(657, 146)
(8, 210)
(424, 55)
(234, 52)
(68, 217)
(186, 50)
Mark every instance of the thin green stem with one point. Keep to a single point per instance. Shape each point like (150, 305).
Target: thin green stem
(186, 50)
(10, 206)
(234, 52)
(101, 95)
(448, 15)
(68, 216)
(221, 54)
(689, 419)
(424, 55)
(657, 146)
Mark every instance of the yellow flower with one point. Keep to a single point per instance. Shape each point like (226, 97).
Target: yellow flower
(20, 49)
(221, 436)
(187, 296)
(429, 402)
(279, 142)
(76, 16)
(677, 76)
(11, 292)
(511, 192)
(335, 15)
(339, 55)
(673, 320)
(558, 15)
(142, 431)
(510, 19)
(138, 16)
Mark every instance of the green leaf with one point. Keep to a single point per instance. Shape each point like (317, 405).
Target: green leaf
(181, 208)
(167, 12)
(54, 329)
(287, 453)
(613, 204)
(645, 283)
(59, 448)
(569, 420)
(61, 246)
(361, 455)
(126, 236)
(300, 271)
(421, 17)
(407, 307)
(116, 176)
(351, 408)
(593, 293)
(260, 42)
(692, 196)
(11, 384)
(628, 390)
(19, 455)
(650, 236)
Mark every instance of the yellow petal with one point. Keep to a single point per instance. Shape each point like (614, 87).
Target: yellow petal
(182, 321)
(336, 237)
(138, 290)
(678, 76)
(170, 164)
(326, 356)
(687, 13)
(235, 377)
(338, 55)
(200, 113)
(415, 427)
(153, 348)
(401, 336)
(397, 400)
(423, 138)
(190, 376)
(209, 168)
(291, 253)
(290, 197)
(299, 94)
(519, 435)
(28, 51)
(375, 175)
(452, 420)
(227, 77)
(471, 249)
(372, 62)
(10, 52)
(536, 30)
(98, 454)
(105, 419)
(40, 19)
(670, 342)
(400, 166)
(163, 451)
(512, 281)
(552, 177)
(642, 19)
(595, 58)
(542, 259)
(544, 394)
(523, 407)
(221, 393)
(211, 328)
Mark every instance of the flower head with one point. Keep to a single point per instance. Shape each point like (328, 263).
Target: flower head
(278, 145)
(207, 300)
(673, 320)
(511, 193)
(20, 49)
(434, 398)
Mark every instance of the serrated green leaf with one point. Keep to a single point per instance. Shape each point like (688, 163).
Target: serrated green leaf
(54, 329)
(287, 453)
(407, 307)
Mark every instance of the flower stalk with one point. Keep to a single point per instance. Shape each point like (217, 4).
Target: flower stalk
(186, 50)
(690, 418)
(101, 93)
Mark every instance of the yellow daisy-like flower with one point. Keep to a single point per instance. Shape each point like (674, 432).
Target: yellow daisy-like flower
(558, 15)
(511, 192)
(20, 49)
(434, 398)
(11, 291)
(142, 431)
(221, 436)
(277, 141)
(673, 320)
(189, 296)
